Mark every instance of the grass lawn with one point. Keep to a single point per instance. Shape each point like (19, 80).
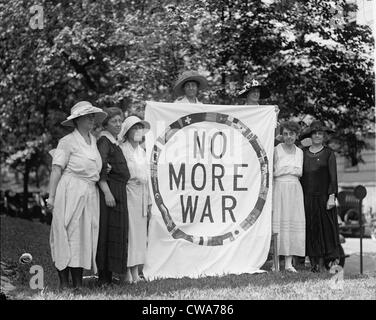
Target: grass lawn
(19, 236)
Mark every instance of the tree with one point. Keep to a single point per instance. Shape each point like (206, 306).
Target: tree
(121, 53)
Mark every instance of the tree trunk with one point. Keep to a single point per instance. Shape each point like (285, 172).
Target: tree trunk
(25, 189)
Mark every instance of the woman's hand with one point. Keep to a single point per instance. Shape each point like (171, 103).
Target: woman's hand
(50, 203)
(110, 200)
(331, 203)
(108, 169)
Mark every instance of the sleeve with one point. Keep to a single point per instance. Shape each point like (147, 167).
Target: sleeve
(149, 196)
(62, 153)
(104, 150)
(275, 162)
(299, 165)
(332, 166)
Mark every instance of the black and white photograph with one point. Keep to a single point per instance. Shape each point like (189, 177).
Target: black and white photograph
(187, 156)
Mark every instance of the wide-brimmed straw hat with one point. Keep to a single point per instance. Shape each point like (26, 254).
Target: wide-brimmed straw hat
(189, 76)
(83, 108)
(264, 91)
(315, 126)
(129, 123)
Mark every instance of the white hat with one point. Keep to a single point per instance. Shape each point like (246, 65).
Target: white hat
(129, 123)
(83, 108)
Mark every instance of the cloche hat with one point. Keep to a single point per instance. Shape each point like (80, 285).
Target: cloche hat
(129, 123)
(316, 125)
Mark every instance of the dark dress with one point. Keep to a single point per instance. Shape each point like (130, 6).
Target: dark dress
(113, 224)
(319, 180)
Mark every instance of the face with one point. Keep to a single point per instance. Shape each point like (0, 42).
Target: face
(114, 125)
(191, 89)
(289, 137)
(318, 137)
(254, 94)
(136, 133)
(86, 122)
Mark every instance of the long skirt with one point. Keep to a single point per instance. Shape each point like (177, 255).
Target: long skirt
(322, 232)
(112, 251)
(288, 216)
(75, 223)
(137, 206)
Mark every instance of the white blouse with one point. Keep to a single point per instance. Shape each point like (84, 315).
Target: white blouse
(286, 163)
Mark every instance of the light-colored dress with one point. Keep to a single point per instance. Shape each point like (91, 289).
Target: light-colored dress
(75, 219)
(138, 201)
(288, 202)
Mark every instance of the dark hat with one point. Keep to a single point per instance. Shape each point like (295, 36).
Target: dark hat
(264, 91)
(189, 76)
(315, 126)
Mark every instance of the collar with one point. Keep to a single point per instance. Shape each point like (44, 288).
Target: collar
(109, 136)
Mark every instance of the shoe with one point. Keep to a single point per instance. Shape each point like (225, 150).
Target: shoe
(315, 269)
(291, 269)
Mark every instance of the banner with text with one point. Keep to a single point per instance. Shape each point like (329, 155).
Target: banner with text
(210, 181)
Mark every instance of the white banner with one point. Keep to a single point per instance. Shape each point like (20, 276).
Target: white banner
(211, 185)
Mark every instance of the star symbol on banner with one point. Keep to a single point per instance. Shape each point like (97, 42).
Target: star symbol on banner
(187, 120)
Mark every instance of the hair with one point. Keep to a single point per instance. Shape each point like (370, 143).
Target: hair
(185, 82)
(112, 112)
(290, 125)
(325, 134)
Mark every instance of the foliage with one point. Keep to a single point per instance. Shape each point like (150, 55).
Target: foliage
(121, 53)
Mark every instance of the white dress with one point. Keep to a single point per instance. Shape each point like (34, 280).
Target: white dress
(288, 202)
(75, 217)
(138, 200)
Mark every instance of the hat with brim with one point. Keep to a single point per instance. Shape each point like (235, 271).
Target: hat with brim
(129, 123)
(264, 91)
(83, 108)
(189, 76)
(315, 126)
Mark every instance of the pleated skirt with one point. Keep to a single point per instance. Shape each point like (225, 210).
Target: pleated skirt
(288, 217)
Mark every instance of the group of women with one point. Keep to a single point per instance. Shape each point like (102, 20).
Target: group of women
(304, 213)
(101, 228)
(100, 199)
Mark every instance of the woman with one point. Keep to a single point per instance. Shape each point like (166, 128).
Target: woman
(253, 91)
(288, 204)
(188, 85)
(320, 188)
(113, 231)
(139, 202)
(74, 197)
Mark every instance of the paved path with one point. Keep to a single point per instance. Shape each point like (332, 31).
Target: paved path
(352, 247)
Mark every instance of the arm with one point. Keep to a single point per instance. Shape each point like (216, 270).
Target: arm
(333, 183)
(104, 150)
(54, 180)
(109, 198)
(59, 162)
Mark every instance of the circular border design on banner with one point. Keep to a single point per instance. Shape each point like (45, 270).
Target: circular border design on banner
(264, 169)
